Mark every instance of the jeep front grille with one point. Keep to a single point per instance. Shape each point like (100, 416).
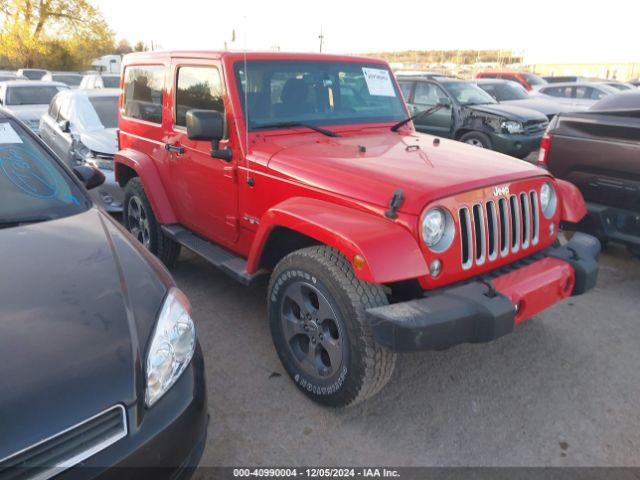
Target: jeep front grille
(490, 230)
(55, 454)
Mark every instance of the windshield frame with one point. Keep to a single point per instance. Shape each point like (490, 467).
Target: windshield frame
(238, 65)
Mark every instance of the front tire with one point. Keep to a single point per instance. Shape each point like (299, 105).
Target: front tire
(140, 221)
(477, 139)
(317, 317)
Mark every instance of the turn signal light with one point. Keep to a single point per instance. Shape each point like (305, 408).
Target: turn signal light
(545, 147)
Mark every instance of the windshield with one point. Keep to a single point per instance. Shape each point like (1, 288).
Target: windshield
(111, 81)
(106, 108)
(32, 95)
(34, 74)
(503, 92)
(32, 184)
(318, 93)
(71, 80)
(468, 94)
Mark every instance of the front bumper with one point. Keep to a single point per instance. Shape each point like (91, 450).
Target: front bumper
(616, 224)
(488, 308)
(515, 145)
(163, 442)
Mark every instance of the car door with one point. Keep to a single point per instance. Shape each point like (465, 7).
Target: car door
(426, 95)
(48, 120)
(207, 186)
(61, 140)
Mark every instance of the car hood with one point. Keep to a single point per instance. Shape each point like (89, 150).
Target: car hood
(28, 112)
(411, 162)
(507, 111)
(540, 105)
(101, 141)
(76, 311)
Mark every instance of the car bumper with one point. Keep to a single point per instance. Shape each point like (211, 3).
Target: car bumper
(616, 224)
(109, 195)
(488, 308)
(515, 145)
(165, 441)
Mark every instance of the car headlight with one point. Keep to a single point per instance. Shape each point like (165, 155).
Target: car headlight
(437, 229)
(172, 346)
(511, 126)
(548, 200)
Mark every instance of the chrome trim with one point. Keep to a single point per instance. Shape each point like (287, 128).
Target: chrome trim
(76, 459)
(505, 231)
(526, 221)
(479, 259)
(493, 233)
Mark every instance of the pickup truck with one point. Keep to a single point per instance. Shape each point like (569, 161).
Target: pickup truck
(599, 151)
(305, 171)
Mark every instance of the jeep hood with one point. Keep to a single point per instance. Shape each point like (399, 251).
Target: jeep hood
(423, 170)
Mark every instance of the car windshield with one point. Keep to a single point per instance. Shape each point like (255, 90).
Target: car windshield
(4, 78)
(68, 79)
(31, 95)
(33, 187)
(111, 81)
(102, 112)
(317, 93)
(533, 79)
(468, 94)
(34, 74)
(503, 92)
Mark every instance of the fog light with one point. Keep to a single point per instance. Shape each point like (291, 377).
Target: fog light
(435, 268)
(552, 229)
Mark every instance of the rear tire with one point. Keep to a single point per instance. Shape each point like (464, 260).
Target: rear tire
(477, 139)
(140, 221)
(317, 318)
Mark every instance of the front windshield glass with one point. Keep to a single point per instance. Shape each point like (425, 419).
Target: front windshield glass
(503, 92)
(468, 93)
(69, 79)
(28, 95)
(33, 187)
(317, 93)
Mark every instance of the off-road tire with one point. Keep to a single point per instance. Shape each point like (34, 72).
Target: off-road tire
(482, 139)
(163, 247)
(367, 367)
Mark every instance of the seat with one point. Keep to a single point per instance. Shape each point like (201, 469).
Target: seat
(294, 99)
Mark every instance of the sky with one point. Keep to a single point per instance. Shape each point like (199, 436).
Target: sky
(545, 31)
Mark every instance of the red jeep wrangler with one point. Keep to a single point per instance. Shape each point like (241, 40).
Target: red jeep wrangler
(301, 169)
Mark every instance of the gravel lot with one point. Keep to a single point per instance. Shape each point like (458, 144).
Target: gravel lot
(563, 389)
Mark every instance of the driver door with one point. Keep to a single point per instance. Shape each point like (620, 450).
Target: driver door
(425, 96)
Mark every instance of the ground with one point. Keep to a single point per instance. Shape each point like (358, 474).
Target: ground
(563, 389)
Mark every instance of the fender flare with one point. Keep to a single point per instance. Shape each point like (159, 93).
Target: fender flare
(572, 205)
(390, 251)
(146, 170)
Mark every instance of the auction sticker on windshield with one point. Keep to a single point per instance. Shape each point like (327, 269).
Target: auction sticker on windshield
(8, 134)
(378, 82)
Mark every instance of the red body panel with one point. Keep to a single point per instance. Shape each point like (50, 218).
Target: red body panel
(572, 205)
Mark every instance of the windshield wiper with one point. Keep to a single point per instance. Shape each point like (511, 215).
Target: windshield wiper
(421, 114)
(323, 131)
(18, 221)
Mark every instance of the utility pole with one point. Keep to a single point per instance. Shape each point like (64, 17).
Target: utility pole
(321, 38)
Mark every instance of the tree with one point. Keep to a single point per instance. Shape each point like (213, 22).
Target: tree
(123, 47)
(41, 31)
(140, 47)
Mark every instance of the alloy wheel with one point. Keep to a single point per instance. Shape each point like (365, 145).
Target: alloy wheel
(138, 221)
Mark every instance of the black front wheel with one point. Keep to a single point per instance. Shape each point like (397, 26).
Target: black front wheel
(477, 139)
(317, 317)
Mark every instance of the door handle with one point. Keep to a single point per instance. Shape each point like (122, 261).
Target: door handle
(174, 148)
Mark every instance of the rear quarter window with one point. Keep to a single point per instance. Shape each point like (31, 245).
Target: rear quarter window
(143, 87)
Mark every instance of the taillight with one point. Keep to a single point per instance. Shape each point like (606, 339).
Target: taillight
(545, 147)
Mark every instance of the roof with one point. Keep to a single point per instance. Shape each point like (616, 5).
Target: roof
(94, 92)
(629, 100)
(577, 84)
(33, 83)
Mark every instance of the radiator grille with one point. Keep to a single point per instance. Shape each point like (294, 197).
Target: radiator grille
(491, 230)
(67, 448)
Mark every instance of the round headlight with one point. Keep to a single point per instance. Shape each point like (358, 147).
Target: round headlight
(437, 229)
(548, 200)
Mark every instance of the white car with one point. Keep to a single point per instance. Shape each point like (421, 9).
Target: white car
(32, 73)
(29, 99)
(100, 80)
(577, 95)
(71, 79)
(80, 126)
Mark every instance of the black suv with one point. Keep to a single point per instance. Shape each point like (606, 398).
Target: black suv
(473, 116)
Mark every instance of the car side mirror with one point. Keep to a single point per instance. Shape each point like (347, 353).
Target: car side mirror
(65, 126)
(445, 101)
(89, 175)
(208, 125)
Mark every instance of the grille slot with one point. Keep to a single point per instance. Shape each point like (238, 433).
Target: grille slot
(526, 219)
(465, 237)
(51, 456)
(479, 234)
(515, 223)
(492, 229)
(535, 217)
(504, 226)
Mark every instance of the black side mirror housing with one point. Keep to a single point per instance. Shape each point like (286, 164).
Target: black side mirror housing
(65, 126)
(208, 125)
(90, 176)
(446, 101)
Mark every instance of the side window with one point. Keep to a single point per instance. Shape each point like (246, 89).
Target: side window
(54, 107)
(406, 90)
(562, 92)
(426, 94)
(143, 87)
(197, 88)
(65, 108)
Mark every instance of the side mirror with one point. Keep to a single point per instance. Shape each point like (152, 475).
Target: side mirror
(65, 126)
(208, 125)
(90, 176)
(446, 101)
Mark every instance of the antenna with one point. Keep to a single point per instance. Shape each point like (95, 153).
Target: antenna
(250, 179)
(321, 38)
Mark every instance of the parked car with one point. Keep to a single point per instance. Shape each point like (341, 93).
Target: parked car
(100, 80)
(32, 73)
(511, 93)
(598, 150)
(569, 79)
(316, 179)
(99, 358)
(528, 80)
(473, 116)
(622, 86)
(635, 82)
(71, 79)
(7, 76)
(29, 100)
(579, 96)
(81, 127)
